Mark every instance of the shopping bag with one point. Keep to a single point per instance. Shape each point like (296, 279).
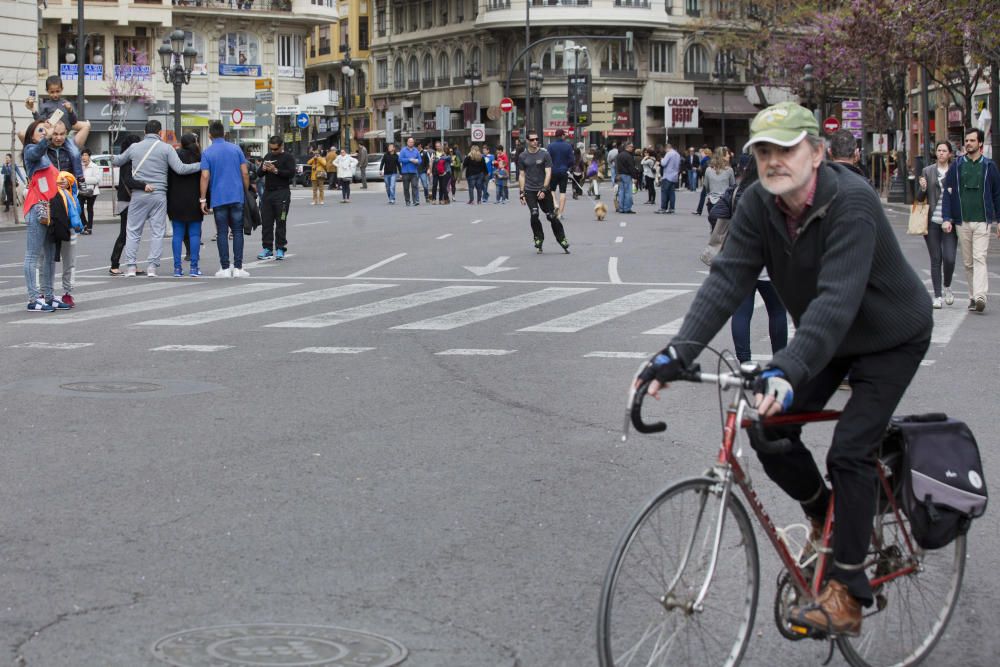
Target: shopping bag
(918, 219)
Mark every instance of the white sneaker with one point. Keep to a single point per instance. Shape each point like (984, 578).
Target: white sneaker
(130, 272)
(224, 273)
(937, 302)
(949, 296)
(150, 271)
(241, 273)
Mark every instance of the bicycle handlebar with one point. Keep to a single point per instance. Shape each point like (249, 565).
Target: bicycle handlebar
(740, 379)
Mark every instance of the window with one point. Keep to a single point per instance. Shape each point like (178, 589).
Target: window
(443, 72)
(696, 62)
(459, 10)
(662, 57)
(382, 73)
(361, 87)
(428, 70)
(197, 42)
(380, 20)
(363, 39)
(43, 50)
(459, 63)
(444, 12)
(345, 35)
(397, 19)
(397, 75)
(239, 48)
(414, 72)
(492, 59)
(428, 14)
(414, 13)
(692, 7)
(324, 40)
(617, 59)
(475, 59)
(291, 50)
(132, 52)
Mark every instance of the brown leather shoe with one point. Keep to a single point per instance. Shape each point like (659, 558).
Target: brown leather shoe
(835, 611)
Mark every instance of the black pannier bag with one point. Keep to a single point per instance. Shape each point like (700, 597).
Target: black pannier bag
(940, 483)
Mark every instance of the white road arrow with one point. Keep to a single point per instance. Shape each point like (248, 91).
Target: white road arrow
(492, 267)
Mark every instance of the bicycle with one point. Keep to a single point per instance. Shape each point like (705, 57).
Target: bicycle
(682, 581)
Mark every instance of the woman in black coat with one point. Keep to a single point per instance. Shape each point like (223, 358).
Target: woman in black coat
(183, 206)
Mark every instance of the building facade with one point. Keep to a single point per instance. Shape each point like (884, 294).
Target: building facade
(18, 74)
(431, 53)
(238, 42)
(338, 75)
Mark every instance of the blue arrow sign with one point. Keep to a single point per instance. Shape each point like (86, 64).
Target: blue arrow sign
(302, 120)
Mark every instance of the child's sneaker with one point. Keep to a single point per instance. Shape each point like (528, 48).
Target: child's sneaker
(67, 298)
(57, 304)
(39, 306)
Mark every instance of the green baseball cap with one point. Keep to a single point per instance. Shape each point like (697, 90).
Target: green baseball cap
(784, 124)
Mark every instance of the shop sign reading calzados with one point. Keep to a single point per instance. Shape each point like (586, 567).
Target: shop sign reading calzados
(680, 112)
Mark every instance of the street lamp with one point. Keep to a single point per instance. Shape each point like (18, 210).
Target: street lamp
(725, 71)
(71, 58)
(537, 79)
(348, 72)
(177, 62)
(472, 80)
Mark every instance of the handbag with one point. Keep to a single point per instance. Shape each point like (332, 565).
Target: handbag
(918, 219)
(715, 241)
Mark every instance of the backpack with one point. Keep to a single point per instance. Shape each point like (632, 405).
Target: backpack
(940, 485)
(441, 166)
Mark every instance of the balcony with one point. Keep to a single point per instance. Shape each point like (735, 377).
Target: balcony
(301, 12)
(560, 13)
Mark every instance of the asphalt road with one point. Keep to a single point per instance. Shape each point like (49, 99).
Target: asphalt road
(372, 435)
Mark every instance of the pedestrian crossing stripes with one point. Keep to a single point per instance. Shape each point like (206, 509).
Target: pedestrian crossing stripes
(946, 323)
(380, 307)
(42, 345)
(139, 288)
(265, 306)
(603, 312)
(333, 350)
(467, 352)
(155, 304)
(190, 348)
(493, 309)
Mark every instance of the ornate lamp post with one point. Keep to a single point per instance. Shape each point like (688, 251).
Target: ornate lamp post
(348, 72)
(725, 71)
(537, 79)
(177, 62)
(71, 58)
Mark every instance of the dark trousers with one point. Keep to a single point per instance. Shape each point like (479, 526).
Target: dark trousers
(87, 211)
(701, 201)
(777, 321)
(546, 205)
(411, 184)
(942, 248)
(345, 189)
(364, 177)
(273, 218)
(476, 186)
(439, 190)
(650, 184)
(668, 195)
(878, 381)
(116, 252)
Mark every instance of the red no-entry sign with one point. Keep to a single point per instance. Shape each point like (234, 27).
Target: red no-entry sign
(831, 125)
(506, 105)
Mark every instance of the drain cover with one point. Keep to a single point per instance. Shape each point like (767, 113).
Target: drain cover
(277, 645)
(112, 387)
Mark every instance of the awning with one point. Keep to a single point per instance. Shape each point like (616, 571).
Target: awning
(432, 134)
(373, 134)
(671, 131)
(737, 106)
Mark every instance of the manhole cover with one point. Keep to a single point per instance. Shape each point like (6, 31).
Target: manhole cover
(277, 645)
(112, 387)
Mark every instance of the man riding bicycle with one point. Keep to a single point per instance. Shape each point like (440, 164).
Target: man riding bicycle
(859, 310)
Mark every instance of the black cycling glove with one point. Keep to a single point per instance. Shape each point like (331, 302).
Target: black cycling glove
(664, 367)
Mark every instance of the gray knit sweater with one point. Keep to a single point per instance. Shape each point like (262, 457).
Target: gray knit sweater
(844, 279)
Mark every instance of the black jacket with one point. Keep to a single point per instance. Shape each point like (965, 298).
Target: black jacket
(473, 167)
(844, 280)
(286, 172)
(625, 165)
(183, 192)
(389, 164)
(126, 184)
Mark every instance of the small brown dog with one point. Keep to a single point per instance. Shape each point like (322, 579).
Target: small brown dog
(600, 210)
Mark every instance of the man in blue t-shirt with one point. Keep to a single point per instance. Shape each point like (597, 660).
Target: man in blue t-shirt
(224, 170)
(409, 163)
(562, 161)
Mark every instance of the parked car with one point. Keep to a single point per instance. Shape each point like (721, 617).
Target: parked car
(371, 171)
(303, 172)
(109, 174)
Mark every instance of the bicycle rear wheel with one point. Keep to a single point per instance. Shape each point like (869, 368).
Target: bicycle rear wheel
(911, 611)
(643, 620)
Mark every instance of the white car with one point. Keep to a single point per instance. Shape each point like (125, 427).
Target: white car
(109, 174)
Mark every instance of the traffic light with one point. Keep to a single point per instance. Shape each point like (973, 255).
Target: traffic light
(578, 108)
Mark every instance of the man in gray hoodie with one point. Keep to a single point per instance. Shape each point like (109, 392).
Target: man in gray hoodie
(152, 159)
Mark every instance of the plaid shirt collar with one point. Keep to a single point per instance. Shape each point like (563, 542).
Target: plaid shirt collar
(792, 221)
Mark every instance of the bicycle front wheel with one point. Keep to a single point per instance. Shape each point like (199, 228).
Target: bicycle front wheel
(648, 615)
(911, 610)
